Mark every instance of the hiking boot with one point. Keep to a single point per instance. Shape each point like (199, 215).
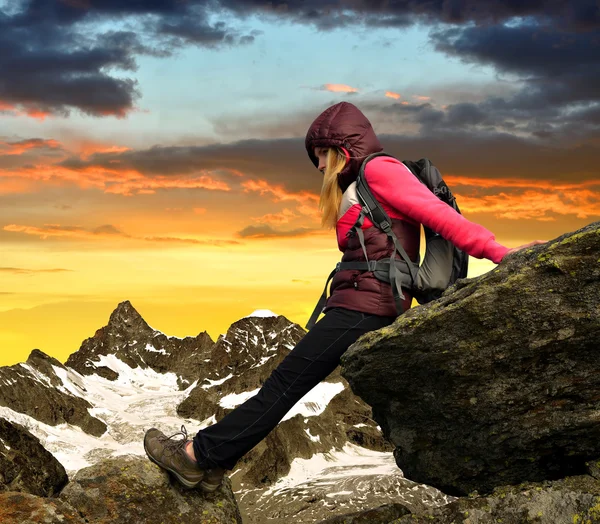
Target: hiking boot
(212, 479)
(170, 454)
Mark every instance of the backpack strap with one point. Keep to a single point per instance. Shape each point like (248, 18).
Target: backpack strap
(380, 219)
(322, 300)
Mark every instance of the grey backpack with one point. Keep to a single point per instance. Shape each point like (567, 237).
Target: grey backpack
(442, 264)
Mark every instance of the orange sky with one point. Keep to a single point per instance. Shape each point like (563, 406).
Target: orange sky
(90, 237)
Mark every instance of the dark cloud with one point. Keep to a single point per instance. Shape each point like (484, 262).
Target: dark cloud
(578, 14)
(277, 161)
(53, 58)
(558, 72)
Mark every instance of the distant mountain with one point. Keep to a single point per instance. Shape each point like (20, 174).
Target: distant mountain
(132, 341)
(36, 388)
(129, 377)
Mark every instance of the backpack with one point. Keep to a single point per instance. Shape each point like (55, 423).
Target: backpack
(442, 264)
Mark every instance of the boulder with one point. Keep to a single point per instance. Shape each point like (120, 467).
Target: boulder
(133, 489)
(25, 466)
(498, 381)
(572, 500)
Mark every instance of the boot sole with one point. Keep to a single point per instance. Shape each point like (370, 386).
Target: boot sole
(209, 488)
(188, 484)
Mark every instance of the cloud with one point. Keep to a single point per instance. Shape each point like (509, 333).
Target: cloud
(266, 231)
(21, 147)
(391, 94)
(276, 218)
(54, 56)
(105, 232)
(534, 205)
(339, 88)
(115, 179)
(23, 271)
(307, 202)
(557, 72)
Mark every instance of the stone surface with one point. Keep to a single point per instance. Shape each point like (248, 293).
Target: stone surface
(23, 508)
(573, 500)
(382, 514)
(33, 388)
(25, 465)
(133, 489)
(497, 382)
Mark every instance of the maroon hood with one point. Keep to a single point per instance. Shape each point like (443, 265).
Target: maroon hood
(343, 125)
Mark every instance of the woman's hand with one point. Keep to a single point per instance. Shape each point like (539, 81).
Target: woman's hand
(524, 246)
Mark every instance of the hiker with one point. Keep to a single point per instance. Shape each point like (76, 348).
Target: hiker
(337, 142)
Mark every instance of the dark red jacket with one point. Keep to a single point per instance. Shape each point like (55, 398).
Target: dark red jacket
(407, 202)
(344, 125)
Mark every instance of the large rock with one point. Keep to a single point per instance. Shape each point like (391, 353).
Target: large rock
(35, 389)
(498, 382)
(134, 490)
(25, 465)
(573, 500)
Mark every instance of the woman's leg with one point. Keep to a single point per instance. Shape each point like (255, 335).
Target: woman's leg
(316, 356)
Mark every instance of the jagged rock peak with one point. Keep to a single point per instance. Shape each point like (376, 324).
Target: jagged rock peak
(126, 316)
(41, 361)
(129, 339)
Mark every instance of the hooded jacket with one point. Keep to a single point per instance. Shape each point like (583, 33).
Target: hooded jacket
(407, 202)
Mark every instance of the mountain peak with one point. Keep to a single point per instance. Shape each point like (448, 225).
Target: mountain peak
(125, 316)
(261, 313)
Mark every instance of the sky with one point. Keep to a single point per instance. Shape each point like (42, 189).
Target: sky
(153, 151)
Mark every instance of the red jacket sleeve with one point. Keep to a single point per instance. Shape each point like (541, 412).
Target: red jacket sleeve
(392, 183)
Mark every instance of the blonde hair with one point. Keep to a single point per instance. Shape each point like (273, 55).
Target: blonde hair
(331, 193)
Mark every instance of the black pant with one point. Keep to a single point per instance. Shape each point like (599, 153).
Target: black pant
(314, 357)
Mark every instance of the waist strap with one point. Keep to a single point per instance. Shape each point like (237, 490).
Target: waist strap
(381, 269)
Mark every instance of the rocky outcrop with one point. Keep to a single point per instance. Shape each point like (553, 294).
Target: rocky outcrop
(498, 381)
(33, 388)
(25, 465)
(572, 500)
(122, 491)
(131, 489)
(129, 338)
(382, 514)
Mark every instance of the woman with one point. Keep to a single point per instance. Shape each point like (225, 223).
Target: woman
(337, 143)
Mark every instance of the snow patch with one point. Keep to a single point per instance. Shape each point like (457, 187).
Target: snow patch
(235, 399)
(351, 460)
(314, 438)
(316, 400)
(261, 313)
(152, 349)
(310, 405)
(217, 382)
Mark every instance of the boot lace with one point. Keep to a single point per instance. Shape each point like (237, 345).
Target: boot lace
(174, 446)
